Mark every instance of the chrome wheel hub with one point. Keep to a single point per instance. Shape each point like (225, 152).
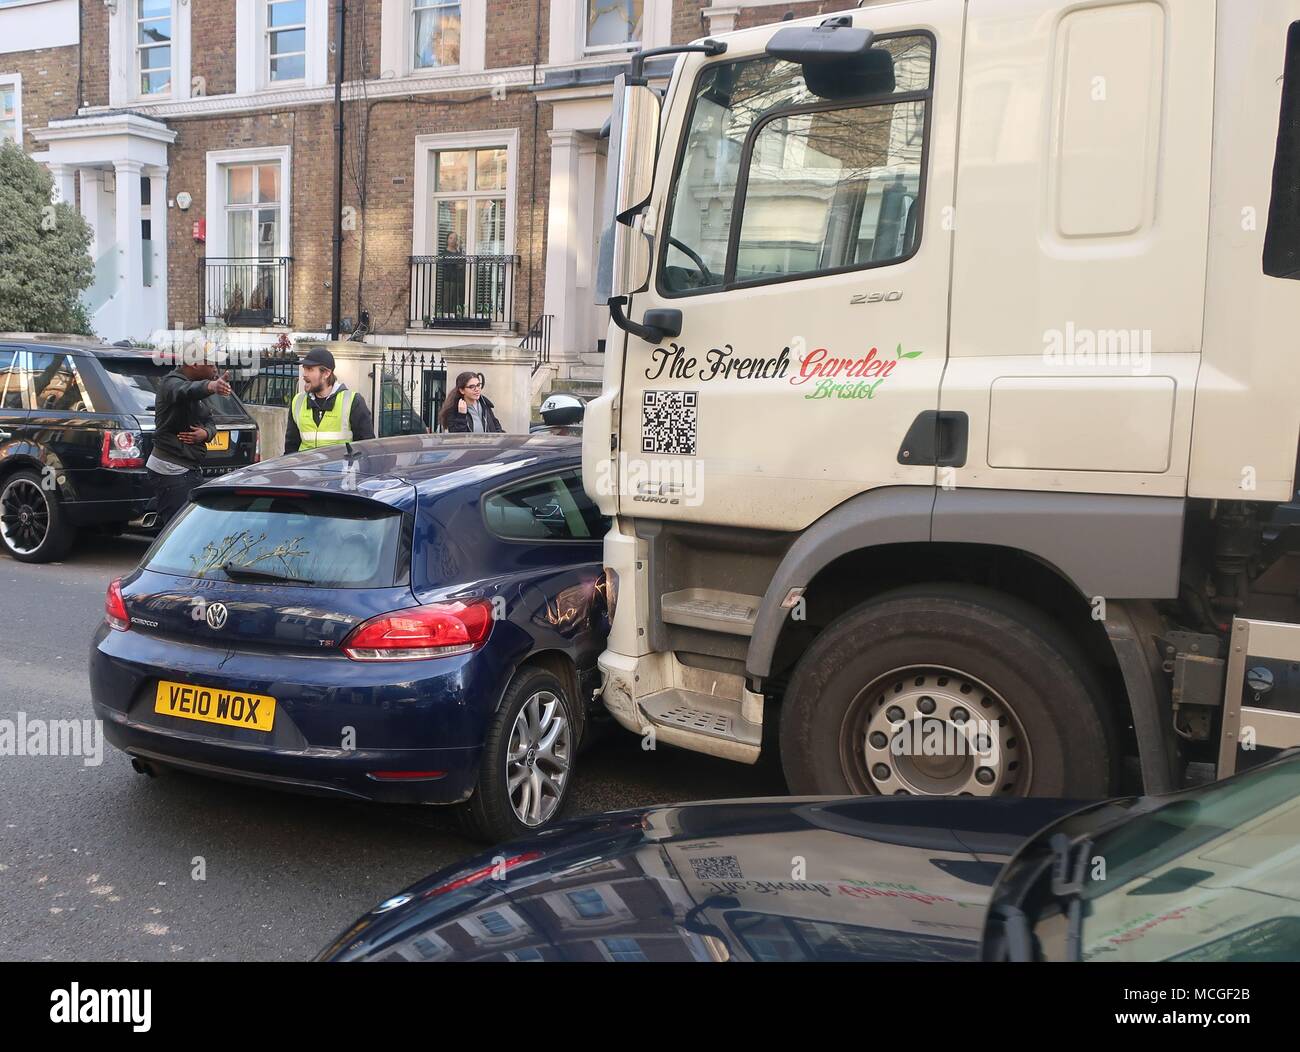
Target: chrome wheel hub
(933, 731)
(539, 758)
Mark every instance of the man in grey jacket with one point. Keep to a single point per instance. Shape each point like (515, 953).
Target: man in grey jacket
(182, 430)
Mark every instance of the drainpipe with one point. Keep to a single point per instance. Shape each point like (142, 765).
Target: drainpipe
(336, 279)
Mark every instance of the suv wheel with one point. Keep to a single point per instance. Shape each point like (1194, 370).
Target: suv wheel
(528, 759)
(33, 527)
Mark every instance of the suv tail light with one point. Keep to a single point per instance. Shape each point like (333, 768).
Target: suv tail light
(115, 607)
(437, 630)
(257, 445)
(121, 449)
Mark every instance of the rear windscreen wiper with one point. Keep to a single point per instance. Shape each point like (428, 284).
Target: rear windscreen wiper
(234, 570)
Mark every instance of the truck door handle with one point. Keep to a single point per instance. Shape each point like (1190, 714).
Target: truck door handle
(937, 438)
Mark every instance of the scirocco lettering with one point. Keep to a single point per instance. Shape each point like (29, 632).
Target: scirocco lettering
(856, 377)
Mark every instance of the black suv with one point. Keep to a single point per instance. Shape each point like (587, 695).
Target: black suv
(76, 427)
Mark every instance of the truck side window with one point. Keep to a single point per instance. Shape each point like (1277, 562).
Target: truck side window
(858, 196)
(1282, 238)
(831, 189)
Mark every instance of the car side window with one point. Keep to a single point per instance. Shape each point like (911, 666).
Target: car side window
(13, 384)
(57, 383)
(551, 508)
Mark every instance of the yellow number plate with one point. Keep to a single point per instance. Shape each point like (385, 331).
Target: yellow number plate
(221, 443)
(228, 707)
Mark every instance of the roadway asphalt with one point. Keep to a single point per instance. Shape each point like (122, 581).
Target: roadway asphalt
(97, 862)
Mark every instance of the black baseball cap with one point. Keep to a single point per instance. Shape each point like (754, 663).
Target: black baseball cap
(318, 356)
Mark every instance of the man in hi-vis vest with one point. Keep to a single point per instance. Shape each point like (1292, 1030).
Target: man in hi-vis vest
(325, 412)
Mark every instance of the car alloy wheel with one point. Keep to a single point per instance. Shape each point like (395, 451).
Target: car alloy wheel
(24, 516)
(538, 760)
(933, 731)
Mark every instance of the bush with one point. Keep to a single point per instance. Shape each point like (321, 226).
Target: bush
(45, 261)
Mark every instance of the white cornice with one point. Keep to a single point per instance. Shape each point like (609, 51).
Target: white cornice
(86, 127)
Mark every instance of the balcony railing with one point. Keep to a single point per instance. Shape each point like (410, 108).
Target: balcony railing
(245, 291)
(461, 292)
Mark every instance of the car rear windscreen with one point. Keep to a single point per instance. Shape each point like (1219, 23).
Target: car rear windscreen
(136, 383)
(319, 541)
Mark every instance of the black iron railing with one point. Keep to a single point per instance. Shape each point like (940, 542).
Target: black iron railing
(408, 388)
(244, 291)
(266, 376)
(538, 341)
(461, 292)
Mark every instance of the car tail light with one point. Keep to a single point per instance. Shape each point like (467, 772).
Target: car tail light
(121, 449)
(115, 607)
(437, 630)
(499, 867)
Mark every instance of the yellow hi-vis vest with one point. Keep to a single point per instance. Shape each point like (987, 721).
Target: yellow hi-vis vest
(334, 428)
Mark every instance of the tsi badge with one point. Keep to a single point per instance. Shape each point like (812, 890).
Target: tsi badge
(216, 616)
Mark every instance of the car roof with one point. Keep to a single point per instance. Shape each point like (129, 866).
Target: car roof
(387, 469)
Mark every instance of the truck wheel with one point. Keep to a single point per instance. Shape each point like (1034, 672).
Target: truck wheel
(527, 763)
(945, 692)
(33, 527)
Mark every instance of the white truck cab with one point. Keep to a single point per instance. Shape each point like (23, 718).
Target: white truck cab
(951, 405)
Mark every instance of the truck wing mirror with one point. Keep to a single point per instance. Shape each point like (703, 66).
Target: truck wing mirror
(624, 265)
(838, 59)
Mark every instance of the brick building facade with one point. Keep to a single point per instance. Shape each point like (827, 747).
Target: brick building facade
(198, 139)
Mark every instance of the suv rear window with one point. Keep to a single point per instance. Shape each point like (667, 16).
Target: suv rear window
(323, 542)
(135, 384)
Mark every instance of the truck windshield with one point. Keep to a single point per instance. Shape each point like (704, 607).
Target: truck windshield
(827, 187)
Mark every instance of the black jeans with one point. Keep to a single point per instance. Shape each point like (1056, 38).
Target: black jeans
(173, 492)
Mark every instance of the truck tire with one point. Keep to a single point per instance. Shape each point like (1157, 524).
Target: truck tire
(33, 525)
(946, 691)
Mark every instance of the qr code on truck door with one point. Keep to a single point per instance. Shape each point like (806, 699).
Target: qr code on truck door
(669, 420)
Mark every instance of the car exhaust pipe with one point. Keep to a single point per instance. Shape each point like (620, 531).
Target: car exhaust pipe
(142, 767)
(147, 521)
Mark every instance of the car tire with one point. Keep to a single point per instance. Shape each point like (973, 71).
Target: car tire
(34, 527)
(528, 760)
(1012, 695)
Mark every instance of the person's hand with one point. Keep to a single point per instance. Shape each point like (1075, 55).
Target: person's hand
(461, 407)
(221, 385)
(195, 436)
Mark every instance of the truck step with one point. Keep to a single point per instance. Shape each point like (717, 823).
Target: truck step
(712, 609)
(684, 715)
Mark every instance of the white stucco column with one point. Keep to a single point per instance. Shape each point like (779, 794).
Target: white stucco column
(562, 232)
(158, 236)
(590, 195)
(65, 183)
(130, 271)
(92, 185)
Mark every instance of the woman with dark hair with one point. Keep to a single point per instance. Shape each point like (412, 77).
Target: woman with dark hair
(466, 409)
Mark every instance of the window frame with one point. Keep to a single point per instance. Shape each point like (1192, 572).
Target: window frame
(742, 175)
(15, 81)
(470, 194)
(585, 48)
(269, 31)
(18, 367)
(552, 473)
(138, 49)
(413, 8)
(255, 206)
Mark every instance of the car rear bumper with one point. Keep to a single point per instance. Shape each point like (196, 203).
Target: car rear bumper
(338, 724)
(318, 772)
